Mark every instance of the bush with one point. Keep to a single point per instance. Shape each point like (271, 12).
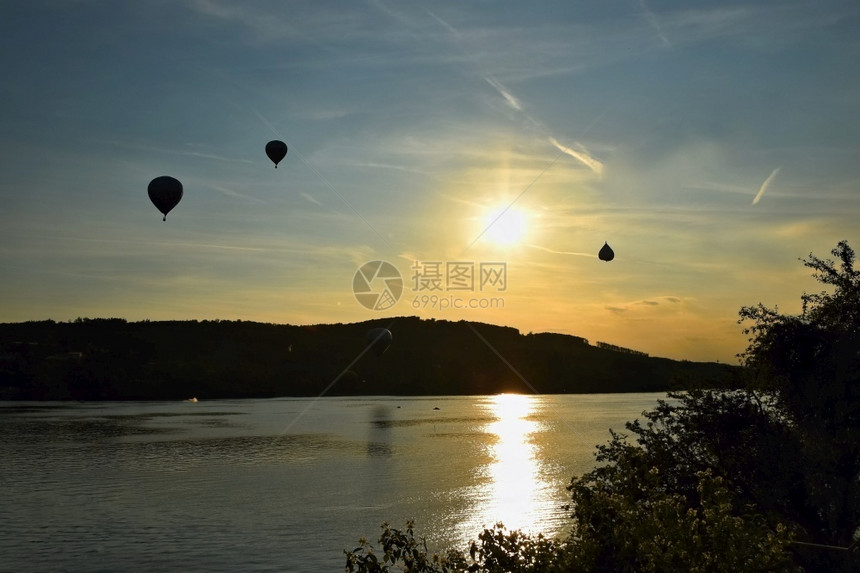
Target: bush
(496, 551)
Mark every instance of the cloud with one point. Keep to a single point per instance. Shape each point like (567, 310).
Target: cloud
(509, 98)
(718, 187)
(172, 151)
(765, 185)
(328, 114)
(388, 166)
(649, 302)
(652, 19)
(444, 24)
(312, 199)
(237, 195)
(595, 165)
(264, 26)
(573, 253)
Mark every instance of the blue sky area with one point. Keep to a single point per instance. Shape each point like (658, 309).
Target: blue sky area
(711, 144)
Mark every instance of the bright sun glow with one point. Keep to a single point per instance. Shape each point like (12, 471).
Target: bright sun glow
(505, 227)
(515, 494)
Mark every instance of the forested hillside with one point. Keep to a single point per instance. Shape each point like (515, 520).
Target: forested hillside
(112, 359)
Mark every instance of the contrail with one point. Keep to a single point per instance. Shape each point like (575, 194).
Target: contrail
(312, 199)
(265, 121)
(342, 198)
(231, 193)
(652, 19)
(509, 97)
(445, 24)
(583, 156)
(765, 185)
(589, 255)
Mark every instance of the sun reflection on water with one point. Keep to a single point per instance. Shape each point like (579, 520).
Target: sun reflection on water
(514, 469)
(515, 492)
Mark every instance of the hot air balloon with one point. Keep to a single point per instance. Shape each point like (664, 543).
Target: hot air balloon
(276, 150)
(165, 192)
(379, 339)
(606, 253)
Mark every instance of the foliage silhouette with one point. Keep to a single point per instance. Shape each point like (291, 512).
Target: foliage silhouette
(95, 359)
(496, 551)
(783, 451)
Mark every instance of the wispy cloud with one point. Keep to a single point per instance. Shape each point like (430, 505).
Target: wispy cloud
(765, 185)
(265, 121)
(583, 155)
(342, 198)
(391, 13)
(652, 19)
(389, 166)
(444, 24)
(312, 199)
(616, 309)
(718, 187)
(171, 151)
(268, 26)
(509, 97)
(231, 193)
(142, 245)
(573, 253)
(262, 24)
(647, 303)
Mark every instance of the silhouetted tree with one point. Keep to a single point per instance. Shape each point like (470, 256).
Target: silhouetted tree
(783, 452)
(808, 365)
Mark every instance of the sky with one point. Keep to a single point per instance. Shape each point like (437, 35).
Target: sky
(485, 150)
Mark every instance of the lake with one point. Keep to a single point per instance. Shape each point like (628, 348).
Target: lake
(284, 484)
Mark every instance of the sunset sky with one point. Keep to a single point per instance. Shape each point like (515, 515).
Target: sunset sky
(712, 144)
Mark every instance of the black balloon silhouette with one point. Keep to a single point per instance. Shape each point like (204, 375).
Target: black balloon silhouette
(606, 253)
(379, 339)
(276, 150)
(165, 192)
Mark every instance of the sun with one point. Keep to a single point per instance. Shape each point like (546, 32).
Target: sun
(505, 226)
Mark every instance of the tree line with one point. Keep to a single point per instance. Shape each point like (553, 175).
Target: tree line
(114, 359)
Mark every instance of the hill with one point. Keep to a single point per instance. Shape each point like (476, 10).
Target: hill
(112, 359)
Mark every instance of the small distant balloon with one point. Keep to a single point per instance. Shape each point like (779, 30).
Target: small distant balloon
(606, 253)
(379, 340)
(276, 150)
(165, 192)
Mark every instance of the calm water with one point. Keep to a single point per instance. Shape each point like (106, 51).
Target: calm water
(284, 484)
